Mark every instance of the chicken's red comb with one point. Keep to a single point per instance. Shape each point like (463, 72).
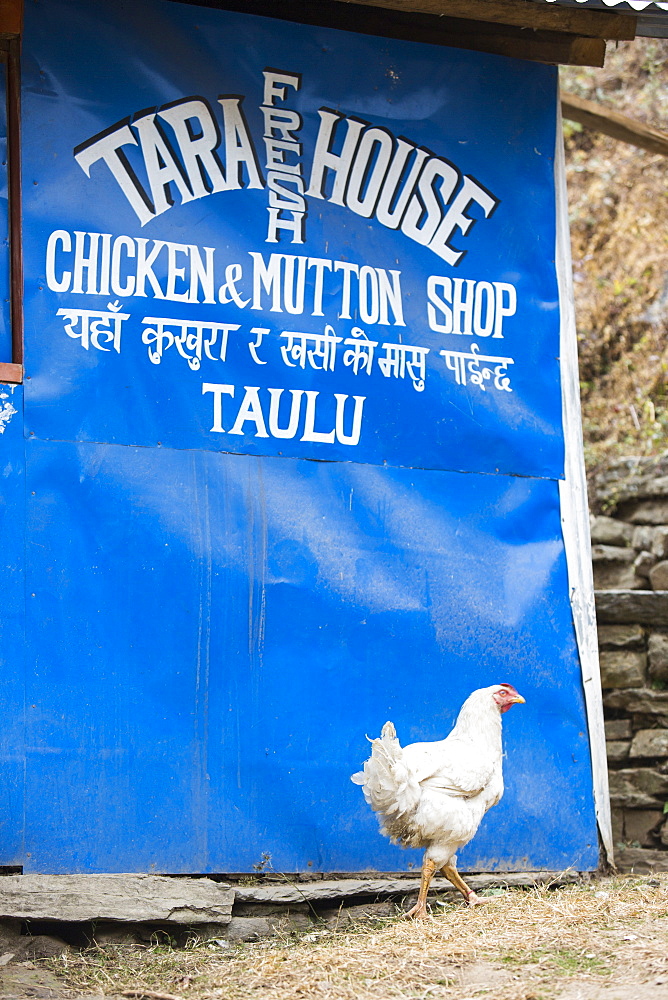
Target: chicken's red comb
(509, 687)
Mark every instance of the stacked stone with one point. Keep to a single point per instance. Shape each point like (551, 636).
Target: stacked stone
(636, 729)
(630, 557)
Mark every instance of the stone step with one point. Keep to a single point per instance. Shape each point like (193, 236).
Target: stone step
(130, 898)
(299, 892)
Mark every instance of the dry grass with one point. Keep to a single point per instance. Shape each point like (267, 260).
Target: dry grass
(524, 945)
(618, 201)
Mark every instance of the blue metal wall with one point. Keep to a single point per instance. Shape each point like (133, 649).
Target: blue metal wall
(12, 623)
(211, 636)
(214, 622)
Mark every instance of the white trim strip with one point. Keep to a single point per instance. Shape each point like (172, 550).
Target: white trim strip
(575, 508)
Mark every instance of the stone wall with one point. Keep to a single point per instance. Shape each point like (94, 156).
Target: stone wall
(630, 556)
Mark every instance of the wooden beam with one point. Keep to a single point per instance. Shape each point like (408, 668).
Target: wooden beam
(553, 47)
(11, 17)
(620, 127)
(565, 50)
(14, 190)
(544, 46)
(522, 14)
(10, 372)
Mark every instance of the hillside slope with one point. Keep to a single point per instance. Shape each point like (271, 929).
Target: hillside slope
(618, 202)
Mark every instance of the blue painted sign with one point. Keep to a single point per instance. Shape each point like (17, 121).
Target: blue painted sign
(297, 247)
(284, 285)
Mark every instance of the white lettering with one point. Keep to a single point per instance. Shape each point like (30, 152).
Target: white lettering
(162, 167)
(250, 409)
(63, 284)
(127, 244)
(281, 120)
(219, 390)
(272, 92)
(466, 306)
(455, 218)
(295, 412)
(310, 433)
(356, 430)
(107, 149)
(424, 209)
(368, 173)
(287, 208)
(503, 289)
(337, 164)
(294, 225)
(87, 263)
(198, 154)
(239, 150)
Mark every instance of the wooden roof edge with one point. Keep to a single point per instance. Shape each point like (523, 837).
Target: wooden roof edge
(523, 14)
(539, 45)
(516, 28)
(528, 14)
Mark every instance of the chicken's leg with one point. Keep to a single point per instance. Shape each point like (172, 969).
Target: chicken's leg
(453, 876)
(419, 911)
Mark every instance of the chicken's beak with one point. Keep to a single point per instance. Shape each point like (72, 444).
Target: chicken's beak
(518, 700)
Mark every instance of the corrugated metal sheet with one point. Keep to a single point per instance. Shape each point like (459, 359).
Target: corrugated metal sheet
(211, 636)
(215, 616)
(652, 14)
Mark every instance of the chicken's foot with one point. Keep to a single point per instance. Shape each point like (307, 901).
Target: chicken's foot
(419, 911)
(453, 876)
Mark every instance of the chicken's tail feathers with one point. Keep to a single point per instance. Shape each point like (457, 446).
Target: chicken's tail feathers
(384, 745)
(389, 786)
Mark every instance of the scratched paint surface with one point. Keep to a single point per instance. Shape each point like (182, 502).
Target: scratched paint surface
(213, 620)
(234, 626)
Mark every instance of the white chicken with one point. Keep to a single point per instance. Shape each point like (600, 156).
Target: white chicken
(434, 795)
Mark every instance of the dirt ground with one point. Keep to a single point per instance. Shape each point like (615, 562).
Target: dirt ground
(601, 940)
